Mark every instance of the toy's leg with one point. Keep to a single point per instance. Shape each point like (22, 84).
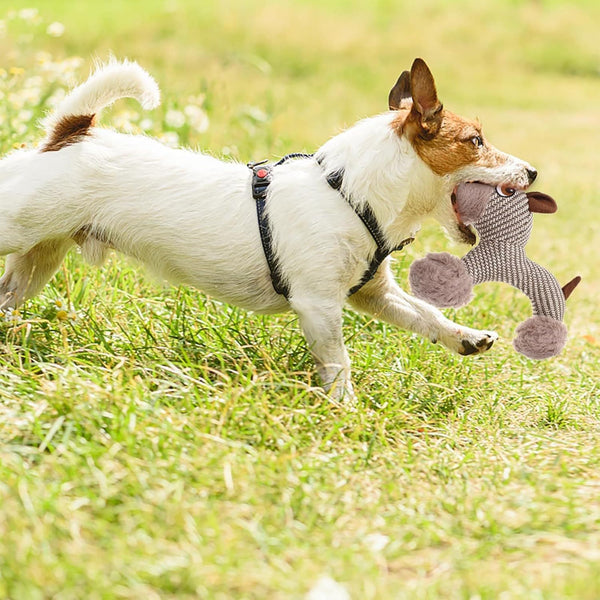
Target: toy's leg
(383, 298)
(513, 267)
(544, 291)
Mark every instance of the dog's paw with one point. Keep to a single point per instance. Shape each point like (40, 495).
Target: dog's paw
(7, 300)
(478, 344)
(465, 341)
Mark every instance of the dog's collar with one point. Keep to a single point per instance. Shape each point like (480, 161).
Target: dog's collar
(261, 178)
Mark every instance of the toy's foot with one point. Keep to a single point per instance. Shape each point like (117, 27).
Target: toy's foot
(540, 337)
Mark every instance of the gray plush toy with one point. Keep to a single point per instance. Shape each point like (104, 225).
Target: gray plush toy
(503, 222)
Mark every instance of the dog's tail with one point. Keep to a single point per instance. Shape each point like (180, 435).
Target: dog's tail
(73, 118)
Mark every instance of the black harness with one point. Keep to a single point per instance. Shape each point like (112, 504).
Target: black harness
(261, 178)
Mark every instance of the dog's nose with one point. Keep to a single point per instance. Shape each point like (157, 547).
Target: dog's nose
(532, 174)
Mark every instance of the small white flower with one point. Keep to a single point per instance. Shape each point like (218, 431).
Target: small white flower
(12, 316)
(43, 57)
(28, 14)
(25, 115)
(376, 542)
(197, 117)
(55, 29)
(175, 118)
(328, 589)
(146, 124)
(125, 121)
(170, 138)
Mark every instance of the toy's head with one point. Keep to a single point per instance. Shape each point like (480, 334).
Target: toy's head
(497, 213)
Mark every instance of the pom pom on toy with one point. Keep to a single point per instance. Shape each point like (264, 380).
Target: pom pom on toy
(441, 279)
(540, 337)
(503, 222)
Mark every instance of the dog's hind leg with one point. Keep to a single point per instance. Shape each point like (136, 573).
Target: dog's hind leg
(383, 299)
(26, 274)
(321, 322)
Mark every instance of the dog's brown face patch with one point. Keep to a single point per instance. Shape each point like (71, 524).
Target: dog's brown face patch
(457, 143)
(69, 130)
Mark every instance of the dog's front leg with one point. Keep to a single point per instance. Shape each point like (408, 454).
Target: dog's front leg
(383, 298)
(321, 322)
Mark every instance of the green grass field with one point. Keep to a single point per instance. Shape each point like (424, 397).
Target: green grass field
(155, 443)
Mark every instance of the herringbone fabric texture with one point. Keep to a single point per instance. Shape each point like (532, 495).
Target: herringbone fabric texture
(504, 229)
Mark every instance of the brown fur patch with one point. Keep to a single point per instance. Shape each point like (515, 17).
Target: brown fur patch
(452, 146)
(69, 130)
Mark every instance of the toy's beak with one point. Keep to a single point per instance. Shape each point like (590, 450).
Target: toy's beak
(569, 287)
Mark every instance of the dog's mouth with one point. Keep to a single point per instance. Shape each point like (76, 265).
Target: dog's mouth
(467, 232)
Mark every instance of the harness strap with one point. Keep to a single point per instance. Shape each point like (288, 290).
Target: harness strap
(261, 178)
(365, 214)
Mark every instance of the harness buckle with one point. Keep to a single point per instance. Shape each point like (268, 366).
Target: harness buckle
(261, 178)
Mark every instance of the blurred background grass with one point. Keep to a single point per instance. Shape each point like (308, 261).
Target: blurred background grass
(163, 445)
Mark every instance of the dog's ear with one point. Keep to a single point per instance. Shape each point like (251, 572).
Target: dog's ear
(541, 203)
(426, 105)
(400, 91)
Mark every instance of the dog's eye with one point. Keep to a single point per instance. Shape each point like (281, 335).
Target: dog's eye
(477, 141)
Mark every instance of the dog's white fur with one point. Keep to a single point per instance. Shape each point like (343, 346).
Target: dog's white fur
(191, 218)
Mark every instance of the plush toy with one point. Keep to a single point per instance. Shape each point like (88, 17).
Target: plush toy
(503, 222)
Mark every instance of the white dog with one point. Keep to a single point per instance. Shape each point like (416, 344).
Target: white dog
(193, 219)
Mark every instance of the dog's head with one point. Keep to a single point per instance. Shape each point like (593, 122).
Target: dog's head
(450, 145)
(453, 147)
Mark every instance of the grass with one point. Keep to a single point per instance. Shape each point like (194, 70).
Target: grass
(163, 445)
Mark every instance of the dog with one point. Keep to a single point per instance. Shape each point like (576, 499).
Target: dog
(192, 218)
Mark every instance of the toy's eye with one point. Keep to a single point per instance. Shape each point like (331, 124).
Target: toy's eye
(477, 141)
(505, 191)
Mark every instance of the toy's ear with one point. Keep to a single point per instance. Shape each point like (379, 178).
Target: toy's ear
(400, 91)
(569, 287)
(541, 203)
